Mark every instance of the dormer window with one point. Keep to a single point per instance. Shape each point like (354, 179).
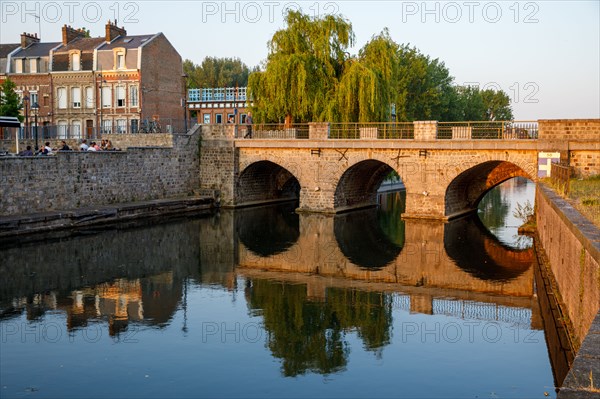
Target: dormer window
(119, 57)
(33, 65)
(75, 62)
(19, 65)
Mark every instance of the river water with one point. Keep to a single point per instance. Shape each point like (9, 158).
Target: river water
(264, 302)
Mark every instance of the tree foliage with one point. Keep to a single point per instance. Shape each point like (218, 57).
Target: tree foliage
(303, 68)
(310, 76)
(216, 72)
(10, 103)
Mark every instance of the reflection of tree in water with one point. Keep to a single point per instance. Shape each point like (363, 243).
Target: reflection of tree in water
(308, 335)
(493, 209)
(391, 207)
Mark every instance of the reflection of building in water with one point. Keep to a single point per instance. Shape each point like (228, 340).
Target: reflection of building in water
(150, 300)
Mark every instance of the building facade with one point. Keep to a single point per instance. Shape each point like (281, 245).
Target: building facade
(87, 86)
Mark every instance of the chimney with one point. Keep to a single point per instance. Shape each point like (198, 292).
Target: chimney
(69, 34)
(112, 31)
(28, 38)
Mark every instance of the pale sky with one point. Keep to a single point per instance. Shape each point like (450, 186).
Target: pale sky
(544, 54)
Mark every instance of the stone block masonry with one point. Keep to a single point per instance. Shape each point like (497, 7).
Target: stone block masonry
(572, 245)
(71, 180)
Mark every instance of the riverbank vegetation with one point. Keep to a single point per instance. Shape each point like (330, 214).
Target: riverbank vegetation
(583, 194)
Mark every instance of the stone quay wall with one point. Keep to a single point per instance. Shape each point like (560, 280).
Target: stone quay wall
(71, 180)
(572, 245)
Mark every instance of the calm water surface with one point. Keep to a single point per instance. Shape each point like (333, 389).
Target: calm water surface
(267, 303)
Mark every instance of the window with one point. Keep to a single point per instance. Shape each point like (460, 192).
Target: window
(120, 96)
(61, 97)
(89, 97)
(120, 61)
(121, 126)
(76, 97)
(33, 98)
(219, 118)
(135, 123)
(206, 118)
(76, 130)
(33, 65)
(19, 66)
(231, 117)
(75, 62)
(46, 100)
(133, 96)
(62, 130)
(106, 97)
(107, 126)
(242, 119)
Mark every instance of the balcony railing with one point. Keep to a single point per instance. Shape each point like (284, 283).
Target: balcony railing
(217, 94)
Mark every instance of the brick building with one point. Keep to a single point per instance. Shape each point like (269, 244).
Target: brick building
(82, 83)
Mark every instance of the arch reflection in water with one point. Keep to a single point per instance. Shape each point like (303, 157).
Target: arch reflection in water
(268, 230)
(481, 254)
(371, 238)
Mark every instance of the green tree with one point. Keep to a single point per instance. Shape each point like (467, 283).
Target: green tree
(216, 72)
(303, 68)
(474, 104)
(366, 88)
(497, 105)
(309, 76)
(10, 103)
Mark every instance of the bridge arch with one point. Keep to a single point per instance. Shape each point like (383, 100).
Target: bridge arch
(358, 184)
(466, 190)
(265, 181)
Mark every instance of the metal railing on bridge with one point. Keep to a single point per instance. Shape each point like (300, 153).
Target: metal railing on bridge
(372, 130)
(487, 130)
(274, 131)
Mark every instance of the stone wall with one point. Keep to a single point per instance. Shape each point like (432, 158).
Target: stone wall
(72, 180)
(577, 140)
(572, 245)
(569, 129)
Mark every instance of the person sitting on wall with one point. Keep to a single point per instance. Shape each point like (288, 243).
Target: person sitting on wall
(46, 149)
(26, 152)
(108, 146)
(64, 146)
(93, 146)
(83, 146)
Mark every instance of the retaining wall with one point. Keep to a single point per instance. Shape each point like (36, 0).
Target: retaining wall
(70, 180)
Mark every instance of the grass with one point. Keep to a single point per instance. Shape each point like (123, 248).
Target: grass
(584, 195)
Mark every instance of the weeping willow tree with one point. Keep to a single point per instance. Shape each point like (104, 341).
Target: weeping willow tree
(309, 76)
(304, 65)
(369, 83)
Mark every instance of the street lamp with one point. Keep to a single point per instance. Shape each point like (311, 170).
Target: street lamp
(35, 108)
(26, 103)
(101, 102)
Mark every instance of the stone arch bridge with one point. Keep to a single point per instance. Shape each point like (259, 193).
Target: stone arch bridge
(445, 175)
